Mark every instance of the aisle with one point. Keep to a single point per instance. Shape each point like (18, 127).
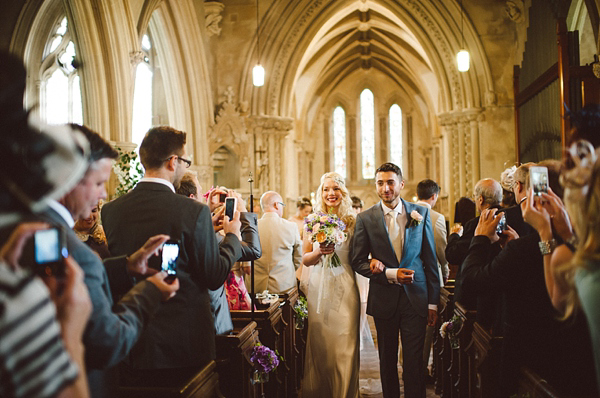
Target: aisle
(370, 384)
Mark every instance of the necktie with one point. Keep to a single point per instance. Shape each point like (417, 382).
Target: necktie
(394, 232)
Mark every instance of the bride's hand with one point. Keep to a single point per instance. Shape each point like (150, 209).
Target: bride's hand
(326, 248)
(376, 266)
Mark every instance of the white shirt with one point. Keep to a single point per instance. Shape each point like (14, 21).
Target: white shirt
(62, 211)
(159, 181)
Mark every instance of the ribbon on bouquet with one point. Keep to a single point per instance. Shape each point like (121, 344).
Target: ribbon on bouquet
(330, 293)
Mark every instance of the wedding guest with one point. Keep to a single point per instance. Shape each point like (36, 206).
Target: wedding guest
(281, 245)
(507, 180)
(90, 232)
(303, 209)
(357, 204)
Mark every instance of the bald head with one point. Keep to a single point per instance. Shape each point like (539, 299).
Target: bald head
(271, 202)
(488, 193)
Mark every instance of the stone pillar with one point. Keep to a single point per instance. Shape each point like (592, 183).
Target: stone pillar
(353, 143)
(270, 132)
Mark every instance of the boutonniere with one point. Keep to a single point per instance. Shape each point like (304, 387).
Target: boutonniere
(415, 218)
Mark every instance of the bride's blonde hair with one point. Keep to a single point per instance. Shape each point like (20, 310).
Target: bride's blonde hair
(345, 210)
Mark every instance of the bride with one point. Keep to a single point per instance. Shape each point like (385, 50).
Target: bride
(332, 350)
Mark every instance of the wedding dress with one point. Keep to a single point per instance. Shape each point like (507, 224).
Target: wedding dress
(332, 349)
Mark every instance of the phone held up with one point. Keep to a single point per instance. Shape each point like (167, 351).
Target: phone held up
(538, 180)
(170, 254)
(502, 224)
(230, 205)
(50, 251)
(222, 197)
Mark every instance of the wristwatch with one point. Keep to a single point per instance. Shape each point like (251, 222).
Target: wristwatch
(572, 243)
(547, 246)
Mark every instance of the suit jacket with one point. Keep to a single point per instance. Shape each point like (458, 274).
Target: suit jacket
(440, 236)
(282, 254)
(113, 329)
(418, 253)
(182, 334)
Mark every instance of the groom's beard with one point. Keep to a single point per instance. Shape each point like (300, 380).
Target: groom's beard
(388, 199)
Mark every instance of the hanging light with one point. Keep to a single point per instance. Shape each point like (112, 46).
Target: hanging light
(463, 59)
(258, 72)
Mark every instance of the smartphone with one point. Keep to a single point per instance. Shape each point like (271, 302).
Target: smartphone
(170, 254)
(222, 197)
(538, 178)
(230, 204)
(50, 252)
(502, 224)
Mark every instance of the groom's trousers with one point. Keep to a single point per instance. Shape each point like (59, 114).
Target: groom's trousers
(412, 327)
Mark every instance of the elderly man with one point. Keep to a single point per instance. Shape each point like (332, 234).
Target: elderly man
(281, 247)
(181, 337)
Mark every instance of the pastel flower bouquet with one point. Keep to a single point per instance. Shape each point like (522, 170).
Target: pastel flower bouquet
(326, 229)
(451, 329)
(301, 310)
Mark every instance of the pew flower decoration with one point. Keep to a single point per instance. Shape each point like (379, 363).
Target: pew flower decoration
(451, 328)
(128, 170)
(328, 229)
(415, 218)
(301, 310)
(264, 360)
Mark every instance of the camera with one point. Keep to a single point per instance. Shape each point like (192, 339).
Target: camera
(50, 252)
(230, 205)
(538, 178)
(222, 197)
(502, 224)
(170, 254)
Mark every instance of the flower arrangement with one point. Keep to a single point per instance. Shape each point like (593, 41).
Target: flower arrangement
(415, 218)
(264, 359)
(450, 328)
(301, 310)
(328, 229)
(128, 170)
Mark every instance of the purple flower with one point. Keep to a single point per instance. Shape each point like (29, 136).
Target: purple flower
(264, 359)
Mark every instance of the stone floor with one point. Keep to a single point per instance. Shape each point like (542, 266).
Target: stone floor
(370, 384)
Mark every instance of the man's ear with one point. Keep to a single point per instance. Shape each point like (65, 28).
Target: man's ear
(172, 163)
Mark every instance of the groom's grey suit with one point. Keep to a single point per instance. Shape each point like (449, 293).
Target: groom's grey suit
(398, 307)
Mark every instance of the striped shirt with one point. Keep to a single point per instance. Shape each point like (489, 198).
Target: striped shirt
(33, 359)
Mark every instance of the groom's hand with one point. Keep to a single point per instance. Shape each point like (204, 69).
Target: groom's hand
(376, 266)
(405, 276)
(431, 317)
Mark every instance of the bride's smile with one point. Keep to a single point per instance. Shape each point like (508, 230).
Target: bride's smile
(332, 193)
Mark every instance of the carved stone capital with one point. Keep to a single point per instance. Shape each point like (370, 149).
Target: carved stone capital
(212, 11)
(276, 125)
(136, 57)
(125, 146)
(515, 10)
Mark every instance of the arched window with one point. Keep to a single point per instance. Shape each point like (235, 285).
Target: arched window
(60, 86)
(367, 131)
(339, 141)
(395, 120)
(142, 95)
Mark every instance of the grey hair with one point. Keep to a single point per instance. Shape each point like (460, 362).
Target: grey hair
(491, 193)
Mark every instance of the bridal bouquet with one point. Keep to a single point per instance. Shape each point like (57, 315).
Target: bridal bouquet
(328, 229)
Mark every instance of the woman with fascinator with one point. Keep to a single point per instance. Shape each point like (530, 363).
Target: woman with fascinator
(90, 232)
(332, 351)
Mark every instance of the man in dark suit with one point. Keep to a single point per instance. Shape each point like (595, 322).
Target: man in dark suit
(181, 338)
(404, 287)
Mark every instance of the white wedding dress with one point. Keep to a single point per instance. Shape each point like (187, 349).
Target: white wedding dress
(332, 350)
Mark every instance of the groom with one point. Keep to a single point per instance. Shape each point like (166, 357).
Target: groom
(399, 237)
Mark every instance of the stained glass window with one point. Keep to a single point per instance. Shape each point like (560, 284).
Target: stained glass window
(367, 131)
(339, 141)
(395, 120)
(142, 95)
(60, 86)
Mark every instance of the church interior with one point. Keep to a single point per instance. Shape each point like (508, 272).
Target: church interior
(347, 85)
(386, 70)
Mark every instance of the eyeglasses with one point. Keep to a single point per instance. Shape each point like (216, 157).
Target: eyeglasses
(283, 204)
(187, 162)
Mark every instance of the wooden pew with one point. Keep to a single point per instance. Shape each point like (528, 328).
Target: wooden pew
(484, 361)
(460, 360)
(442, 351)
(233, 362)
(271, 329)
(291, 352)
(205, 384)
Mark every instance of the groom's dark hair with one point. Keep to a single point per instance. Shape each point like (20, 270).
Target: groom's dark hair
(390, 167)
